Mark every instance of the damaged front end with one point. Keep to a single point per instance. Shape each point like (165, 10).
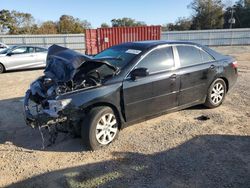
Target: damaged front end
(41, 111)
(66, 72)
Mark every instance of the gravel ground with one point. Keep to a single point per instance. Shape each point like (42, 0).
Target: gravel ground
(173, 150)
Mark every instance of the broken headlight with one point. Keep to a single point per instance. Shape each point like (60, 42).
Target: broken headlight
(56, 106)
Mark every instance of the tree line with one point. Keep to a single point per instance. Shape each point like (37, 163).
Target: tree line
(14, 22)
(213, 14)
(206, 14)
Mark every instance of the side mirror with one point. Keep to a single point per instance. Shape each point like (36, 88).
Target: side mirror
(9, 54)
(139, 72)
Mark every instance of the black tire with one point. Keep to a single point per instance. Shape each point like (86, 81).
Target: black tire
(212, 95)
(89, 131)
(2, 68)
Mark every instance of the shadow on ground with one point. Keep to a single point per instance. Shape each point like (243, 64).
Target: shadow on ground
(13, 129)
(204, 161)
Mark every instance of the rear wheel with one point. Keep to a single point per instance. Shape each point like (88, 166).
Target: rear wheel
(2, 69)
(99, 128)
(216, 93)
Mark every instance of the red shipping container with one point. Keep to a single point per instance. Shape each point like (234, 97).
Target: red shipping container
(91, 41)
(97, 40)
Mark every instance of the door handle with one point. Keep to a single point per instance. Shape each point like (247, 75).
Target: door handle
(212, 67)
(173, 76)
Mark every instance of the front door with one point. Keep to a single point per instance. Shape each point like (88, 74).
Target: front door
(156, 92)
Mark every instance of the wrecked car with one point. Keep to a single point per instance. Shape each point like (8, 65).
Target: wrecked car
(95, 97)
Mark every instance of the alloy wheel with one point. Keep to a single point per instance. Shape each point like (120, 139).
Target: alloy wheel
(218, 92)
(106, 129)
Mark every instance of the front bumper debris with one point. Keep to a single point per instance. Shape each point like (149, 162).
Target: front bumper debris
(40, 118)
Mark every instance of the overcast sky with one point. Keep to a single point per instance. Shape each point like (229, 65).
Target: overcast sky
(99, 11)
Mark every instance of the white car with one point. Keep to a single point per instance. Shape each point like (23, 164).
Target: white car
(3, 46)
(22, 57)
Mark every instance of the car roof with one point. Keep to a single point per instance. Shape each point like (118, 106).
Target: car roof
(153, 43)
(149, 44)
(16, 46)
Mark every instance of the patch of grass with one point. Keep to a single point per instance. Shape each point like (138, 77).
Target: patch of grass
(73, 181)
(139, 167)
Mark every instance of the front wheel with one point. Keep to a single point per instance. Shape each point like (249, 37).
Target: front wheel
(99, 128)
(216, 93)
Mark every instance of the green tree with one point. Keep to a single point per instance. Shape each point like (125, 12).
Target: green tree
(69, 24)
(105, 25)
(181, 24)
(246, 3)
(16, 22)
(6, 21)
(126, 22)
(23, 23)
(208, 14)
(241, 14)
(48, 27)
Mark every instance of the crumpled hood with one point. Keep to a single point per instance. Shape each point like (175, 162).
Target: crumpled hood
(62, 63)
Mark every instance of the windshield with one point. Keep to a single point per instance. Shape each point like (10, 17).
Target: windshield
(5, 51)
(121, 56)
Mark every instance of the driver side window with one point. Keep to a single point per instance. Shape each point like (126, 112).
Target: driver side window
(158, 60)
(20, 50)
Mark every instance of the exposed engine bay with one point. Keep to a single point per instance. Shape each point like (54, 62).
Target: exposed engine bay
(66, 71)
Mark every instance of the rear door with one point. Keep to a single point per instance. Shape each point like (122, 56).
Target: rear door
(157, 91)
(41, 55)
(197, 70)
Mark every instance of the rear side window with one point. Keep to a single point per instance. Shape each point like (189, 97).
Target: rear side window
(30, 50)
(206, 57)
(158, 60)
(189, 55)
(41, 50)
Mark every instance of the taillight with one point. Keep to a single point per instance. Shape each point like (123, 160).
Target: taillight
(235, 64)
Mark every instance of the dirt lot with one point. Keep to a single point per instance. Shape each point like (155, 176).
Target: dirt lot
(174, 150)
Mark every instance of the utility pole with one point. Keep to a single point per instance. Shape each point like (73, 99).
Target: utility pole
(232, 19)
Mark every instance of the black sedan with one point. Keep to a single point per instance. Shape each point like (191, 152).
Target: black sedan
(95, 97)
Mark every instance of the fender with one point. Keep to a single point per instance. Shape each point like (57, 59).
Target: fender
(109, 94)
